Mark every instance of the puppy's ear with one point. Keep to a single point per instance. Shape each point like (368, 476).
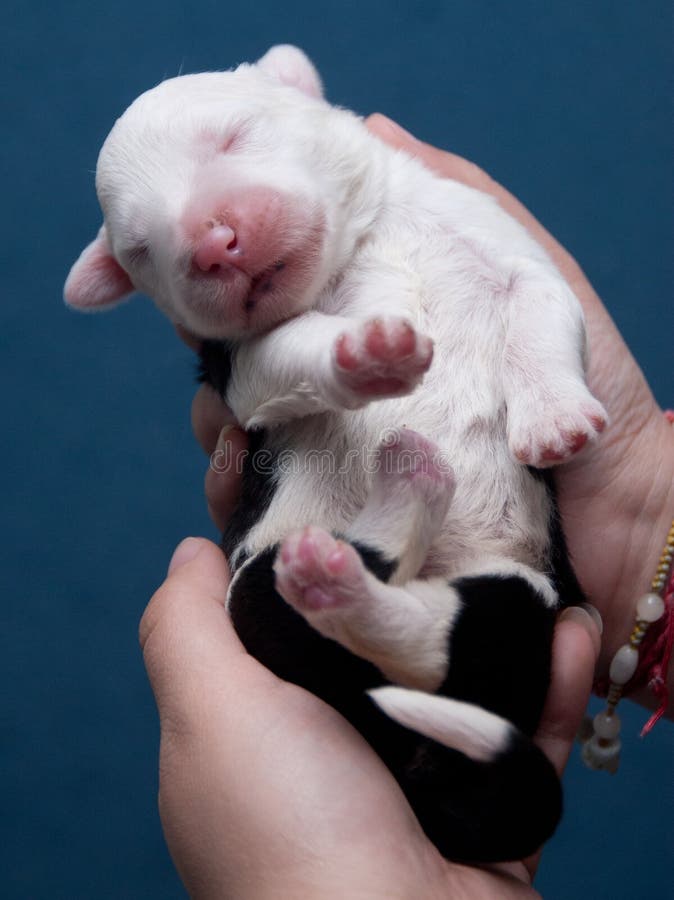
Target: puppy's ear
(290, 65)
(96, 280)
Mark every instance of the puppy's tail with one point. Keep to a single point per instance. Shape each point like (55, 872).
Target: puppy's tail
(498, 798)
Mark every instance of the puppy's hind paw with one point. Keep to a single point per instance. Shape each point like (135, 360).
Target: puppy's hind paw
(560, 430)
(316, 572)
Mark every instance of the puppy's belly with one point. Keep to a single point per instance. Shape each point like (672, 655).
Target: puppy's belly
(324, 473)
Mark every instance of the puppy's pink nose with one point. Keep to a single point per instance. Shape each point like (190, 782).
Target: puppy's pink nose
(217, 249)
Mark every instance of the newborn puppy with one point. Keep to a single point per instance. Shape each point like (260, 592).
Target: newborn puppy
(407, 360)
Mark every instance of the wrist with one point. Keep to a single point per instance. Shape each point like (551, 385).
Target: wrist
(646, 510)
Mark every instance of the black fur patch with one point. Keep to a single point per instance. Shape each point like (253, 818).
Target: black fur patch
(280, 638)
(560, 568)
(258, 485)
(258, 482)
(215, 364)
(486, 812)
(500, 648)
(563, 575)
(381, 566)
(473, 812)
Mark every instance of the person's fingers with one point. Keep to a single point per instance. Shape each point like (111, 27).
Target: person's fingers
(209, 416)
(575, 651)
(187, 637)
(217, 708)
(192, 341)
(215, 428)
(223, 477)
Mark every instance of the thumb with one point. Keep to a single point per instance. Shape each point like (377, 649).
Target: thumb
(575, 651)
(185, 633)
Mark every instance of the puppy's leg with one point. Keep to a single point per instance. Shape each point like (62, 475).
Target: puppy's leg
(318, 362)
(483, 640)
(499, 648)
(551, 413)
(499, 797)
(282, 640)
(330, 582)
(408, 501)
(400, 630)
(484, 637)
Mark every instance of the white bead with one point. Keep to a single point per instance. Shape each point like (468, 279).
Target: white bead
(623, 664)
(605, 726)
(604, 757)
(650, 607)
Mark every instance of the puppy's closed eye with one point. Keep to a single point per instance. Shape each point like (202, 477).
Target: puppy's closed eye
(229, 142)
(232, 141)
(137, 254)
(237, 134)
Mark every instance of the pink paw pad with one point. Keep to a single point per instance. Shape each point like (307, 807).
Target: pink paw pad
(572, 442)
(558, 435)
(384, 357)
(598, 422)
(315, 571)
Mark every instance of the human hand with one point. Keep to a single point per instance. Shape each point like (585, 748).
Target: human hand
(266, 791)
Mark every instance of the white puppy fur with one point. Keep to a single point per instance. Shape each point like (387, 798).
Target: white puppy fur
(474, 731)
(252, 210)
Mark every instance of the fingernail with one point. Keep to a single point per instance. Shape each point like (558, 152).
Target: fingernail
(221, 457)
(184, 552)
(576, 614)
(223, 437)
(594, 614)
(582, 616)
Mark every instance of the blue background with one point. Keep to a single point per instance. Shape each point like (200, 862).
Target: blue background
(565, 103)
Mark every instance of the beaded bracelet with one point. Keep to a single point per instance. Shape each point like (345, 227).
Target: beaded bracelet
(601, 745)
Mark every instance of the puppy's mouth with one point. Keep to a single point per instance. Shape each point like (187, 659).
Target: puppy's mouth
(229, 303)
(235, 287)
(262, 284)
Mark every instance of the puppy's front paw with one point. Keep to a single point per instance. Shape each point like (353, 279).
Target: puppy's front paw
(555, 430)
(383, 357)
